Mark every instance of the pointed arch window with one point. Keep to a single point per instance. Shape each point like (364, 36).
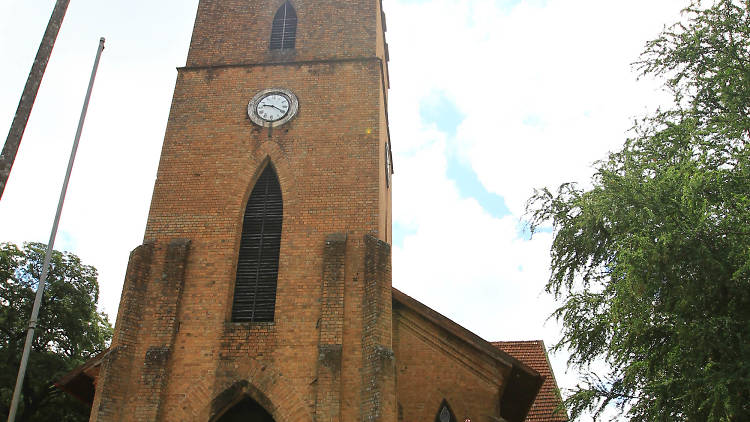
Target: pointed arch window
(258, 262)
(284, 29)
(445, 414)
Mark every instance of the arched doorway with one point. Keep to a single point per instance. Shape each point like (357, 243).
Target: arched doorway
(246, 410)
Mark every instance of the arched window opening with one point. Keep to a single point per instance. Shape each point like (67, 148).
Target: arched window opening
(258, 262)
(284, 29)
(245, 410)
(445, 414)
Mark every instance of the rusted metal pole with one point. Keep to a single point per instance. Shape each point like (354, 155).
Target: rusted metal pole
(51, 244)
(36, 74)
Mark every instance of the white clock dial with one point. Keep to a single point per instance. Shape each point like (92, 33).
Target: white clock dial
(273, 107)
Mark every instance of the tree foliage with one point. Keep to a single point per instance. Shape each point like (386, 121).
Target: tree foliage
(69, 330)
(652, 262)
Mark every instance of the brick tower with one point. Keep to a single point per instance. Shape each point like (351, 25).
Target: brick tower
(263, 285)
(262, 291)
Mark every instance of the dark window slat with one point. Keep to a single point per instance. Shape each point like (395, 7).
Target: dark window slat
(258, 261)
(284, 28)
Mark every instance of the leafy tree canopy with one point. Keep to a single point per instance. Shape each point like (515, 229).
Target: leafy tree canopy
(69, 331)
(652, 262)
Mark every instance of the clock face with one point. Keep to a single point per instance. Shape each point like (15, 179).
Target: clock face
(273, 107)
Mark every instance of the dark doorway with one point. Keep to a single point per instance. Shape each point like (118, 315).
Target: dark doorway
(247, 410)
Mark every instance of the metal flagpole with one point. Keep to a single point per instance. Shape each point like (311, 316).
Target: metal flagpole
(10, 149)
(50, 245)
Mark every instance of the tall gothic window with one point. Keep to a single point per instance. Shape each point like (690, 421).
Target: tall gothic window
(258, 262)
(445, 414)
(284, 29)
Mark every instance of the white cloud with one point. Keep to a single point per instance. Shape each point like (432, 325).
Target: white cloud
(110, 188)
(547, 89)
(563, 63)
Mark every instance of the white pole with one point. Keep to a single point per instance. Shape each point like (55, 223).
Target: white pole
(50, 245)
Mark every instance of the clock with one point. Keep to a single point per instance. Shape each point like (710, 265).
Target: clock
(272, 107)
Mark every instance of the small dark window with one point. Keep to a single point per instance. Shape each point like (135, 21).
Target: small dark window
(445, 414)
(284, 29)
(258, 262)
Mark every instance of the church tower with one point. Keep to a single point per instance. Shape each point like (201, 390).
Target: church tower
(263, 287)
(262, 290)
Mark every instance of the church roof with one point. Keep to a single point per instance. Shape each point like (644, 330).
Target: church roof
(524, 381)
(534, 354)
(80, 382)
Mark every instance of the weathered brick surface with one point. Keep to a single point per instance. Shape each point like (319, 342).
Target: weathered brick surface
(433, 365)
(164, 324)
(378, 380)
(114, 383)
(331, 332)
(330, 163)
(229, 31)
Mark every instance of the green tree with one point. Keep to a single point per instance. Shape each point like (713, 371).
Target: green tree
(69, 331)
(652, 262)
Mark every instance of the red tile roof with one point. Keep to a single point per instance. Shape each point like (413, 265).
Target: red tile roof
(534, 354)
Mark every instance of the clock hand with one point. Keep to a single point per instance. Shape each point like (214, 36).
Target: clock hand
(271, 105)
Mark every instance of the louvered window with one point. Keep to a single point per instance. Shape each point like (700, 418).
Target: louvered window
(284, 29)
(258, 263)
(445, 414)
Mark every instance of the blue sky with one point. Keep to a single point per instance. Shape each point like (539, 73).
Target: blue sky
(441, 112)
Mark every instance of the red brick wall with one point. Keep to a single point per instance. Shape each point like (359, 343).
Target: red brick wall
(328, 167)
(230, 31)
(176, 355)
(114, 382)
(432, 365)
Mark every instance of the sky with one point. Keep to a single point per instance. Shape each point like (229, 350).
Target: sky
(489, 100)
